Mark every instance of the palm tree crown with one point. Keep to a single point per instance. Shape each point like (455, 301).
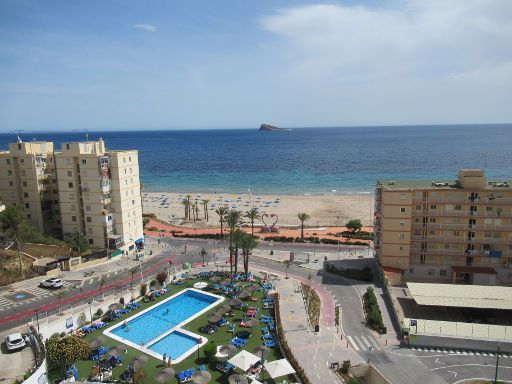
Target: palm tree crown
(221, 211)
(252, 215)
(302, 217)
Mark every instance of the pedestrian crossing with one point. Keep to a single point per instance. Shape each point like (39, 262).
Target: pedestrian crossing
(35, 293)
(363, 342)
(459, 352)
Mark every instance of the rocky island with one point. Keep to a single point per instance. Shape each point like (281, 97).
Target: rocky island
(271, 128)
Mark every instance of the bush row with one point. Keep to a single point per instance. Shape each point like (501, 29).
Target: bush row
(372, 311)
(364, 274)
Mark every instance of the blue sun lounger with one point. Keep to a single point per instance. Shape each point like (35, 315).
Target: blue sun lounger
(88, 329)
(270, 343)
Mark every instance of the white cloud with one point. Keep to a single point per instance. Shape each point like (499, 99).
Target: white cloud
(145, 27)
(389, 63)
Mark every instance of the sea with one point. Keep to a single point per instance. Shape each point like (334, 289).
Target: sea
(302, 161)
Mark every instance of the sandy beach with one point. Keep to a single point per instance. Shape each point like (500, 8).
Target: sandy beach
(331, 210)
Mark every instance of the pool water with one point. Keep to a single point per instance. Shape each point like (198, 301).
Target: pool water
(174, 344)
(150, 325)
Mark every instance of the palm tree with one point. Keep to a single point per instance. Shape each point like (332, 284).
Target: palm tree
(233, 218)
(101, 283)
(252, 215)
(205, 208)
(184, 202)
(60, 295)
(78, 241)
(247, 243)
(302, 217)
(222, 212)
(238, 235)
(203, 254)
(286, 266)
(196, 207)
(188, 197)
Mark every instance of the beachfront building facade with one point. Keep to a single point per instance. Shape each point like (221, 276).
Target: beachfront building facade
(446, 231)
(28, 180)
(99, 193)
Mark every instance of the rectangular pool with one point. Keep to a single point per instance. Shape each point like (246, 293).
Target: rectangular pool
(155, 330)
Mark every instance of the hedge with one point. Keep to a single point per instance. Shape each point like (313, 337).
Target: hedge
(372, 311)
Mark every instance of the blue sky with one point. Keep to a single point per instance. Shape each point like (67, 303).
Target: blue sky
(68, 65)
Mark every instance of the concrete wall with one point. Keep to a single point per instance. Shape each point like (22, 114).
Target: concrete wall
(464, 343)
(40, 376)
(369, 374)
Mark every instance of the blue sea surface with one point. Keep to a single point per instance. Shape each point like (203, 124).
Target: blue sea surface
(303, 160)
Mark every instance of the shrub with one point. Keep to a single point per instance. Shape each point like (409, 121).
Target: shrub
(345, 367)
(152, 229)
(143, 289)
(82, 319)
(63, 351)
(121, 300)
(99, 312)
(210, 350)
(372, 310)
(161, 277)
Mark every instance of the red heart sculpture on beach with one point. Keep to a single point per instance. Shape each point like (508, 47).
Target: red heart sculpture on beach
(272, 215)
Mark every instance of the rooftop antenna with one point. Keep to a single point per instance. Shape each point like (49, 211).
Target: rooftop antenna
(86, 132)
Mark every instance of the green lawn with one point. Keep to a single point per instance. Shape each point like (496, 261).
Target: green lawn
(221, 337)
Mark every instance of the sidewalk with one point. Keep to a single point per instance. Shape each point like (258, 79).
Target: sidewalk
(314, 351)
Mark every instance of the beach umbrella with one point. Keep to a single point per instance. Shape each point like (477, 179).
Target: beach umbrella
(224, 308)
(227, 350)
(201, 377)
(252, 322)
(235, 302)
(278, 368)
(262, 351)
(244, 360)
(238, 379)
(215, 279)
(187, 265)
(115, 306)
(214, 317)
(139, 361)
(97, 342)
(165, 375)
(244, 295)
(116, 350)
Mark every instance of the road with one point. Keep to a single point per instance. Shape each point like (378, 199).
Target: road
(400, 364)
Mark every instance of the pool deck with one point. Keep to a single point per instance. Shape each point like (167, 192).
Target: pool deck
(145, 348)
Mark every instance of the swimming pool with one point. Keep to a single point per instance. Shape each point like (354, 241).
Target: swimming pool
(156, 331)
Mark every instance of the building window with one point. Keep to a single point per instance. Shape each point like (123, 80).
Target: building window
(402, 209)
(84, 162)
(458, 207)
(73, 219)
(456, 233)
(9, 172)
(24, 183)
(432, 220)
(27, 205)
(129, 158)
(433, 206)
(411, 270)
(8, 161)
(88, 208)
(402, 223)
(133, 202)
(25, 194)
(28, 216)
(11, 184)
(124, 159)
(89, 230)
(442, 272)
(68, 161)
(70, 185)
(89, 220)
(22, 161)
(70, 173)
(431, 272)
(418, 207)
(91, 241)
(401, 247)
(55, 202)
(402, 236)
(67, 146)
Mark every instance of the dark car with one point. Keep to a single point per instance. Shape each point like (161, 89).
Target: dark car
(208, 329)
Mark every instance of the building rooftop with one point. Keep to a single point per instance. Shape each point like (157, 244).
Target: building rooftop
(466, 296)
(494, 185)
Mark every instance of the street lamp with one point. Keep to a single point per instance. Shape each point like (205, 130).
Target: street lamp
(140, 266)
(37, 318)
(497, 365)
(90, 308)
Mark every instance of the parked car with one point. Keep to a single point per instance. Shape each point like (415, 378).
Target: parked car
(15, 342)
(52, 283)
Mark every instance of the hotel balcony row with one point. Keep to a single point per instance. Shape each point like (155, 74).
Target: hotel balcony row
(459, 200)
(459, 252)
(461, 239)
(443, 212)
(464, 226)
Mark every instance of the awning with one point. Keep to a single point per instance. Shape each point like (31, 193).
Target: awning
(462, 296)
(117, 252)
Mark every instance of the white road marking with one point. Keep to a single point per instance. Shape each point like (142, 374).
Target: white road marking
(353, 343)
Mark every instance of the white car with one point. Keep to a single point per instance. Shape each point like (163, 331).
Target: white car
(15, 342)
(52, 283)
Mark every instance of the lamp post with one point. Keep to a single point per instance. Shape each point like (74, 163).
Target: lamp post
(140, 266)
(497, 365)
(90, 308)
(37, 318)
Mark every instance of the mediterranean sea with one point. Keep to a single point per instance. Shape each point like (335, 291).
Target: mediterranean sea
(345, 160)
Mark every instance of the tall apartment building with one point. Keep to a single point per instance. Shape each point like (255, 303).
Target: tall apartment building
(28, 180)
(445, 231)
(99, 193)
(83, 187)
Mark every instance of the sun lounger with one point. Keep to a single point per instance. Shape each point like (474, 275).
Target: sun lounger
(270, 343)
(264, 331)
(135, 304)
(222, 322)
(268, 336)
(88, 329)
(202, 368)
(122, 311)
(272, 326)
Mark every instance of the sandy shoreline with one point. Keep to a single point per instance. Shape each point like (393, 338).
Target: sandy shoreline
(325, 210)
